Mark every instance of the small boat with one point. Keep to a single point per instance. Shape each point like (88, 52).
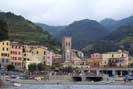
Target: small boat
(17, 84)
(108, 82)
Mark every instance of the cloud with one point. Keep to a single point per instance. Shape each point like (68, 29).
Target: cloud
(61, 12)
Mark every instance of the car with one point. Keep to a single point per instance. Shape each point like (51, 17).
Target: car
(128, 77)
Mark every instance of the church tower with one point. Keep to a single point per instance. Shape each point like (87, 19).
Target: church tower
(66, 48)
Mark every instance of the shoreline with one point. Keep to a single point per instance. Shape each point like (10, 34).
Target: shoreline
(64, 83)
(58, 82)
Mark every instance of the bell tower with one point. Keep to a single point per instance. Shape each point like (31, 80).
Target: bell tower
(66, 48)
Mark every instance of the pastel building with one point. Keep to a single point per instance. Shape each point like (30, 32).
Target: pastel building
(40, 53)
(4, 53)
(16, 55)
(49, 59)
(96, 60)
(115, 59)
(77, 57)
(57, 59)
(109, 59)
(34, 54)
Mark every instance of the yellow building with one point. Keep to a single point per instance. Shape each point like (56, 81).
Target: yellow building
(5, 53)
(40, 53)
(34, 54)
(120, 58)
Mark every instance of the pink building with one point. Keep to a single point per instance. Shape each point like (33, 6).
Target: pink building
(96, 56)
(16, 56)
(49, 59)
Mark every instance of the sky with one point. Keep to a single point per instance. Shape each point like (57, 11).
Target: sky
(63, 12)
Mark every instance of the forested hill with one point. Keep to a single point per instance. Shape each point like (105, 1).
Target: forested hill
(17, 28)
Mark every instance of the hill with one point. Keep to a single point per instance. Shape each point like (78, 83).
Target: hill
(122, 38)
(112, 25)
(83, 32)
(22, 30)
(53, 30)
(109, 24)
(3, 30)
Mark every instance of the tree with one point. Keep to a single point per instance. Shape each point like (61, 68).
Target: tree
(130, 65)
(68, 69)
(56, 67)
(40, 66)
(76, 69)
(10, 67)
(32, 67)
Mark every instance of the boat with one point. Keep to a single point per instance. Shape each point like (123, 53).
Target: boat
(17, 84)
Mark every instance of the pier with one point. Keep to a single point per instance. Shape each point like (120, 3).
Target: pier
(112, 71)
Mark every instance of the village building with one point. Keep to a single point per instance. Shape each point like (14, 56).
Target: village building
(4, 53)
(16, 55)
(109, 59)
(34, 54)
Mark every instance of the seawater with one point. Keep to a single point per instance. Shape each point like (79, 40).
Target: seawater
(30, 86)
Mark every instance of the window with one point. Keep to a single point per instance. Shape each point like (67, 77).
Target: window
(7, 43)
(24, 59)
(44, 53)
(15, 58)
(28, 59)
(8, 55)
(19, 53)
(66, 43)
(3, 43)
(3, 49)
(69, 44)
(37, 52)
(7, 60)
(19, 58)
(112, 55)
(3, 60)
(6, 49)
(122, 55)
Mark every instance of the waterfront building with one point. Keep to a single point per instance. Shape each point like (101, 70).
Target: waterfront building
(115, 59)
(77, 57)
(34, 54)
(49, 59)
(5, 53)
(40, 53)
(109, 59)
(16, 55)
(57, 59)
(96, 60)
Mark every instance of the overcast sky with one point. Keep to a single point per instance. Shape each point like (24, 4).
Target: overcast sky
(61, 12)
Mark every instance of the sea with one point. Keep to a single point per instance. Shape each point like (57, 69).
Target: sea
(30, 86)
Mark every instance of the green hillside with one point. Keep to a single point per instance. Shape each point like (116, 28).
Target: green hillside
(17, 28)
(20, 29)
(83, 32)
(3, 30)
(118, 39)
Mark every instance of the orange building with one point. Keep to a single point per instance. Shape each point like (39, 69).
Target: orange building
(16, 56)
